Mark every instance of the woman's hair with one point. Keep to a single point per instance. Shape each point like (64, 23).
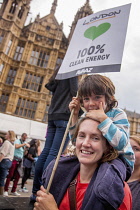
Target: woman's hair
(136, 138)
(99, 85)
(38, 143)
(110, 153)
(34, 143)
(12, 135)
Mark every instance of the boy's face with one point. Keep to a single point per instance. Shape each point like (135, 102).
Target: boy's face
(92, 102)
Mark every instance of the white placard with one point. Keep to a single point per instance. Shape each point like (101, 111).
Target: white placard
(97, 43)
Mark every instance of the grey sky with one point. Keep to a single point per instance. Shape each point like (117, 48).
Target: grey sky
(127, 81)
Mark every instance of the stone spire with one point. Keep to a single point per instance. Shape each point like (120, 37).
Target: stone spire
(37, 17)
(54, 5)
(82, 12)
(28, 1)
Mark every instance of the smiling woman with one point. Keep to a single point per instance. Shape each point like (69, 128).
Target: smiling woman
(93, 169)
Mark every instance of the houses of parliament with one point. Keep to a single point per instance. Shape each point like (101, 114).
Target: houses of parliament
(29, 54)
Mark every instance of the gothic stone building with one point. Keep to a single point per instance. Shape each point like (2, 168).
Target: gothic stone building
(28, 57)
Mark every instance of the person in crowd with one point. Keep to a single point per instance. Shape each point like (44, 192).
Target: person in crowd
(6, 157)
(29, 159)
(95, 179)
(97, 96)
(134, 181)
(35, 159)
(13, 171)
(1, 142)
(58, 116)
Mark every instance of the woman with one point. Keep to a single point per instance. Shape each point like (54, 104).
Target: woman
(134, 181)
(29, 159)
(98, 176)
(6, 157)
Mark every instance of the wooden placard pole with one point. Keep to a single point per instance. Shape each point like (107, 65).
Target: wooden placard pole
(60, 151)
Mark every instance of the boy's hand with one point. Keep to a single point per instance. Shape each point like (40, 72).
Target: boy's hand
(98, 115)
(75, 104)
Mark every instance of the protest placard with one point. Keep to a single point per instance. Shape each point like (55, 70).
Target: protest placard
(97, 43)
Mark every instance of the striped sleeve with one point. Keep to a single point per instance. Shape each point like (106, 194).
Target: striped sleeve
(116, 130)
(71, 133)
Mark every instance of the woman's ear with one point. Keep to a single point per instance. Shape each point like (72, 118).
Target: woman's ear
(106, 150)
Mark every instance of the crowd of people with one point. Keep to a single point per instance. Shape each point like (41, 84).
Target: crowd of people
(17, 158)
(104, 170)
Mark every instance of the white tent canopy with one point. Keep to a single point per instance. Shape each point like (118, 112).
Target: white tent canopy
(33, 129)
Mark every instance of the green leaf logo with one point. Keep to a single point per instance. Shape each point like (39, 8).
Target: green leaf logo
(93, 32)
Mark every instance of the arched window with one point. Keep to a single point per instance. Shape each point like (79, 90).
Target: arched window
(26, 108)
(3, 101)
(13, 7)
(11, 76)
(21, 11)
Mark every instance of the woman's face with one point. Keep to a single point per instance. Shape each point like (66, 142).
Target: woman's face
(7, 136)
(90, 144)
(136, 149)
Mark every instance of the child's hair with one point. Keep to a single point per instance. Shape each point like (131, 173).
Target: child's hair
(99, 85)
(12, 135)
(135, 138)
(110, 154)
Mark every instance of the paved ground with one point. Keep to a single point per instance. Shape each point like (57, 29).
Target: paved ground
(28, 186)
(15, 203)
(18, 202)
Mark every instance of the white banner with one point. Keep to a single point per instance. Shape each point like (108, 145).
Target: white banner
(97, 43)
